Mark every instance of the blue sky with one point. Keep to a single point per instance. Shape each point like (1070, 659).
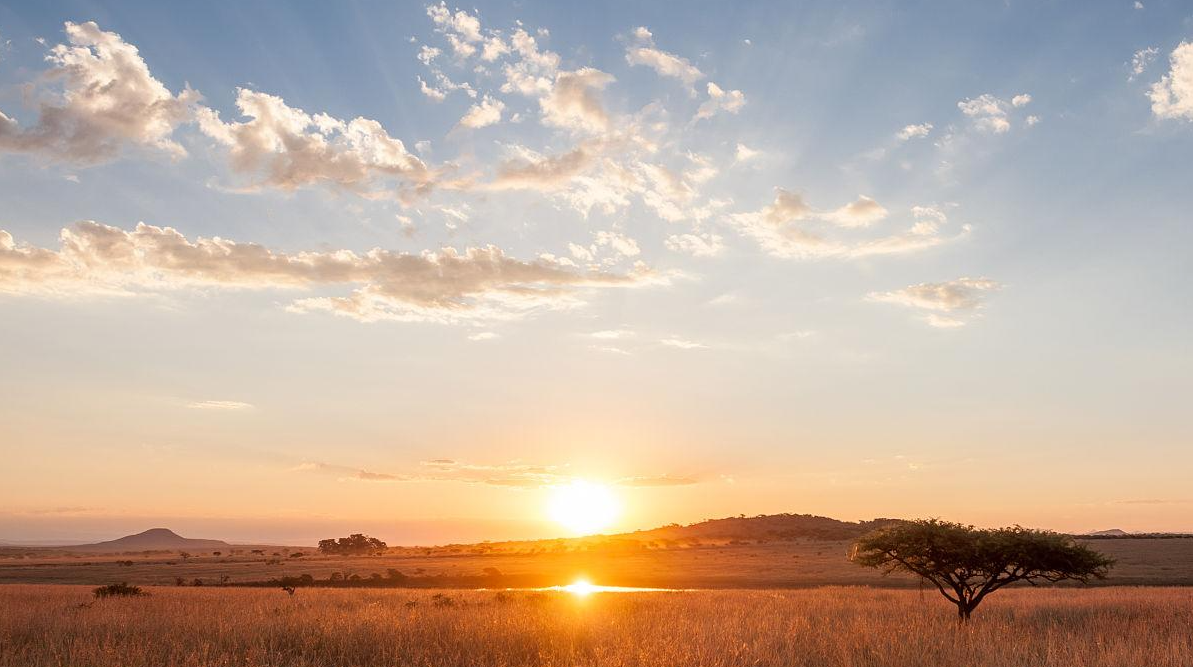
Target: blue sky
(825, 257)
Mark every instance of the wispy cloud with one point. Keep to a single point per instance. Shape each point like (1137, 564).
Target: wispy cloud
(219, 405)
(961, 295)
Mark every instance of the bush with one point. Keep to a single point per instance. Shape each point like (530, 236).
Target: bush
(121, 590)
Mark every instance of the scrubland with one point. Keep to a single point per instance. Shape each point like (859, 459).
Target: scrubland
(741, 564)
(43, 625)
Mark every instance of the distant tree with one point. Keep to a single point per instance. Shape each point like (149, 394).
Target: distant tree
(966, 564)
(216, 553)
(179, 581)
(197, 582)
(184, 555)
(353, 545)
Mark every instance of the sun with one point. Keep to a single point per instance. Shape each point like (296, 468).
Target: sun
(583, 507)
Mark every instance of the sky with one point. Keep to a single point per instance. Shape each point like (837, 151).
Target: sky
(280, 271)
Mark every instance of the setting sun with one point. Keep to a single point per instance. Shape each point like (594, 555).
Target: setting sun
(583, 507)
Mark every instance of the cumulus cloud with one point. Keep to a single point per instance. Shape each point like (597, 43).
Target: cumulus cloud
(462, 30)
(989, 113)
(444, 286)
(108, 100)
(642, 51)
(1172, 95)
(729, 101)
(914, 131)
(963, 295)
(284, 147)
(574, 101)
(1021, 100)
(487, 112)
(530, 170)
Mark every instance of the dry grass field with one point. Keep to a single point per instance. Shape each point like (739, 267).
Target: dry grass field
(769, 564)
(62, 626)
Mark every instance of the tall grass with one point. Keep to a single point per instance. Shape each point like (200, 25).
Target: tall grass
(1108, 627)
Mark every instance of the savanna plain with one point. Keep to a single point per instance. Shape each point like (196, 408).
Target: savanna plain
(61, 625)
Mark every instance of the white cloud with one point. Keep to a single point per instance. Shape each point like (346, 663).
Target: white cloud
(989, 113)
(286, 148)
(682, 343)
(730, 101)
(643, 52)
(612, 334)
(483, 335)
(1141, 60)
(744, 154)
(619, 242)
(574, 101)
(914, 131)
(433, 93)
(786, 228)
(462, 29)
(445, 285)
(963, 294)
(1021, 100)
(697, 245)
(108, 99)
(487, 112)
(861, 213)
(1172, 95)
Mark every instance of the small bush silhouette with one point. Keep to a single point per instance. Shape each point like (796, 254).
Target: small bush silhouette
(121, 590)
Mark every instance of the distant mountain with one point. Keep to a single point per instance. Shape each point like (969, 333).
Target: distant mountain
(154, 539)
(1113, 532)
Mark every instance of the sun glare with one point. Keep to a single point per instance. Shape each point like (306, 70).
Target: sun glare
(581, 587)
(583, 507)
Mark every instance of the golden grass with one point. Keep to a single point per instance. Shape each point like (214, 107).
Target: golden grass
(201, 627)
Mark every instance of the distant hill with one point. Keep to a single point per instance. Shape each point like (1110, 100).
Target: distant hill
(768, 527)
(1113, 532)
(154, 539)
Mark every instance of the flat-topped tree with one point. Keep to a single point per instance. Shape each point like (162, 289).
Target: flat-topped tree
(966, 564)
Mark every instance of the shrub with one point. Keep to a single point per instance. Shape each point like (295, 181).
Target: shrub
(121, 590)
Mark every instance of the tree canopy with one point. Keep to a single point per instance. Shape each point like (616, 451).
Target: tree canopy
(354, 544)
(966, 564)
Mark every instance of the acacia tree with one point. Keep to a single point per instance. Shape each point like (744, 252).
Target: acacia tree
(966, 564)
(352, 545)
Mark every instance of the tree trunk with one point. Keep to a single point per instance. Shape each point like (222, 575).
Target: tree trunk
(964, 611)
